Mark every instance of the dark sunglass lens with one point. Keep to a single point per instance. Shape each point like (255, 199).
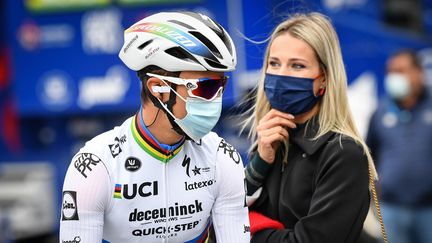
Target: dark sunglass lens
(208, 88)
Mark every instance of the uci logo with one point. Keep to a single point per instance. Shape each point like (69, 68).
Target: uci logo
(145, 189)
(132, 164)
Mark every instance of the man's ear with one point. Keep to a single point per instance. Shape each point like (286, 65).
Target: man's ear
(154, 85)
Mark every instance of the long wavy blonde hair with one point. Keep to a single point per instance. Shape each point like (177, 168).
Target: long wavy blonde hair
(334, 113)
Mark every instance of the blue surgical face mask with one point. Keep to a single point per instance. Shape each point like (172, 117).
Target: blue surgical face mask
(397, 86)
(290, 94)
(201, 116)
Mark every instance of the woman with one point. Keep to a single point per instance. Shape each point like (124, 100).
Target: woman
(310, 170)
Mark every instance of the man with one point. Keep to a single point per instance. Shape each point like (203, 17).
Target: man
(162, 176)
(400, 138)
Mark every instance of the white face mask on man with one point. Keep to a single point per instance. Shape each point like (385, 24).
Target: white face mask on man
(397, 86)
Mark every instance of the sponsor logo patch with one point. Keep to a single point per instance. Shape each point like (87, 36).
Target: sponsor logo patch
(165, 232)
(77, 239)
(69, 206)
(145, 189)
(173, 213)
(115, 148)
(132, 164)
(230, 150)
(198, 185)
(196, 170)
(84, 163)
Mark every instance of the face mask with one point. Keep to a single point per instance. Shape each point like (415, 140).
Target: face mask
(290, 94)
(201, 116)
(397, 85)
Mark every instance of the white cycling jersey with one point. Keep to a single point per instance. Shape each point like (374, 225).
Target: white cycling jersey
(123, 186)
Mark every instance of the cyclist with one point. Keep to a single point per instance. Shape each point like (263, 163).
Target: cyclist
(162, 176)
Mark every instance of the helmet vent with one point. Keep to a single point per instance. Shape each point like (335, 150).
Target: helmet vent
(179, 53)
(207, 43)
(143, 45)
(215, 64)
(224, 37)
(181, 24)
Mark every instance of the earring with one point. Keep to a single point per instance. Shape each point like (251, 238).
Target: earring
(322, 89)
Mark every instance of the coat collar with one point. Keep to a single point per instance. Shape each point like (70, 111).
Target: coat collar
(303, 136)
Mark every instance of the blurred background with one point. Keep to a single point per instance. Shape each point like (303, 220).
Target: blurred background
(62, 83)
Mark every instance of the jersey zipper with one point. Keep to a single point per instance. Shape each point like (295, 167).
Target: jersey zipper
(165, 239)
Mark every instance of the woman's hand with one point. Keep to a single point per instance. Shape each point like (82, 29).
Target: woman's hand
(271, 130)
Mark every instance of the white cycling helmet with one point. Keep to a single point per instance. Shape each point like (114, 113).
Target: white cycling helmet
(178, 41)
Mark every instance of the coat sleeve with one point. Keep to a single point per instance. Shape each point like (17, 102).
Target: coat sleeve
(339, 203)
(372, 135)
(230, 212)
(85, 198)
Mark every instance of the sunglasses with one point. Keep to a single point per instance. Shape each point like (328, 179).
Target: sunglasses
(203, 88)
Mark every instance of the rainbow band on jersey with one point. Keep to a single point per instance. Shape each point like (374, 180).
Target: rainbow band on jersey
(203, 237)
(186, 40)
(146, 141)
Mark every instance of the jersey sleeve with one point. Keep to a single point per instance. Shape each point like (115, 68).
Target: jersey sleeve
(230, 212)
(85, 198)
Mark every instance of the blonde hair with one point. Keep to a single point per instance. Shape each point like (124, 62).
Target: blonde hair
(334, 113)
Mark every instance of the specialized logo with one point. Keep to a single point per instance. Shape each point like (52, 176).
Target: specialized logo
(115, 148)
(172, 213)
(197, 185)
(145, 189)
(130, 43)
(77, 239)
(165, 31)
(232, 152)
(196, 170)
(85, 162)
(132, 164)
(186, 164)
(69, 206)
(162, 231)
(184, 39)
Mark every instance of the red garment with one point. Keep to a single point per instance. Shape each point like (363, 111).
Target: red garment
(260, 222)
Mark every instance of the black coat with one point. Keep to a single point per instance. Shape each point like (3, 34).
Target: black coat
(321, 195)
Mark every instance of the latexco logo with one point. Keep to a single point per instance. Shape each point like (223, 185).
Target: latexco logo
(69, 206)
(197, 185)
(77, 239)
(145, 189)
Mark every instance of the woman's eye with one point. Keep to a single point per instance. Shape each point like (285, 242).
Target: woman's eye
(274, 64)
(297, 66)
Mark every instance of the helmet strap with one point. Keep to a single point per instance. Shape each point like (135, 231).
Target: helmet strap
(169, 105)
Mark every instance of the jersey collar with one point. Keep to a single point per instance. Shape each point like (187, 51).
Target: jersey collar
(148, 142)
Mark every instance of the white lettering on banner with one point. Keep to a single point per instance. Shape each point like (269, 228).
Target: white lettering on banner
(100, 31)
(32, 36)
(338, 4)
(109, 89)
(55, 90)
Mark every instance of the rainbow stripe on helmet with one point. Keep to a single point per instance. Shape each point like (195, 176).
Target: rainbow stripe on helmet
(187, 41)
